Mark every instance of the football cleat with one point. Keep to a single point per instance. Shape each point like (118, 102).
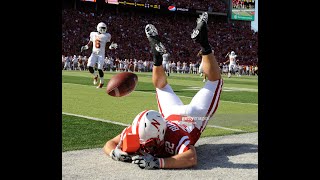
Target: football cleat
(151, 30)
(100, 85)
(95, 80)
(200, 33)
(154, 40)
(157, 47)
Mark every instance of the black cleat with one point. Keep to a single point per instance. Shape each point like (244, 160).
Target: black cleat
(200, 34)
(151, 31)
(157, 47)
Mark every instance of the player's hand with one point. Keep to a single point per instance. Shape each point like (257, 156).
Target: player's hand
(84, 48)
(146, 161)
(118, 155)
(113, 46)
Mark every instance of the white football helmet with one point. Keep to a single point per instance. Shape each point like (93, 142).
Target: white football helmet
(151, 128)
(102, 28)
(233, 53)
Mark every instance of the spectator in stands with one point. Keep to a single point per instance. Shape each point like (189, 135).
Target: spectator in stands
(233, 35)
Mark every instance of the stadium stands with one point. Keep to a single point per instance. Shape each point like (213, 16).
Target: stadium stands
(127, 29)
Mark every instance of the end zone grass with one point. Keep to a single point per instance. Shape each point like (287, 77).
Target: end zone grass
(237, 108)
(80, 133)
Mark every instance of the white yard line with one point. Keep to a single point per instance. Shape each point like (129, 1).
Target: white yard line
(179, 95)
(194, 88)
(122, 124)
(220, 127)
(239, 102)
(192, 97)
(96, 119)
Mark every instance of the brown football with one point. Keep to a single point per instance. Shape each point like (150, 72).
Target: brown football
(122, 84)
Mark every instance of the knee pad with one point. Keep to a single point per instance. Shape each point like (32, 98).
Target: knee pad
(91, 69)
(100, 72)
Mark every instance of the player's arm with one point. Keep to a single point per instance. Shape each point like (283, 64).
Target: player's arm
(113, 149)
(87, 46)
(184, 160)
(111, 144)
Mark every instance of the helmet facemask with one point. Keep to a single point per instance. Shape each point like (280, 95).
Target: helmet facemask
(102, 28)
(151, 127)
(151, 146)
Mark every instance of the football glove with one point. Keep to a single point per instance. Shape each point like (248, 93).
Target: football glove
(147, 161)
(113, 46)
(84, 48)
(118, 155)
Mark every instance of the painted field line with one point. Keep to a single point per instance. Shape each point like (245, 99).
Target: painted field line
(178, 95)
(235, 89)
(192, 97)
(96, 119)
(122, 124)
(230, 129)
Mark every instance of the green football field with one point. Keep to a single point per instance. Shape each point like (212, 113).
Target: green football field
(247, 14)
(83, 104)
(242, 13)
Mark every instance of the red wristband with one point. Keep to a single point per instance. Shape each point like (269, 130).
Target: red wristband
(161, 163)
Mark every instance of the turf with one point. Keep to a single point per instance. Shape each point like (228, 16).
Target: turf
(80, 133)
(237, 108)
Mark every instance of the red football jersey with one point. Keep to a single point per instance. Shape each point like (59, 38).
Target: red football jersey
(192, 131)
(176, 141)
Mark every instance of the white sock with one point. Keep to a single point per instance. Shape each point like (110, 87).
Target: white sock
(101, 80)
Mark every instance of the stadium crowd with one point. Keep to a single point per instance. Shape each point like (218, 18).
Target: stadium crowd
(127, 30)
(79, 63)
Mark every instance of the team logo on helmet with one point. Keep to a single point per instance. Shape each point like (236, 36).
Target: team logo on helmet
(150, 127)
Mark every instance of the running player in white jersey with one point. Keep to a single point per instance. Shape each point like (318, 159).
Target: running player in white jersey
(165, 62)
(98, 41)
(232, 62)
